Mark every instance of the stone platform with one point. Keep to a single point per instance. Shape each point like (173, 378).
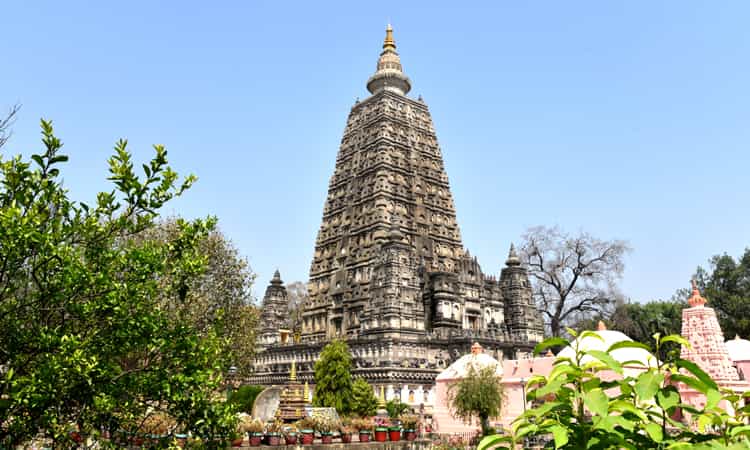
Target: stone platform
(419, 444)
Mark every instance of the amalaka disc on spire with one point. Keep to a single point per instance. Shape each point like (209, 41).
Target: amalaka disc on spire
(512, 257)
(389, 75)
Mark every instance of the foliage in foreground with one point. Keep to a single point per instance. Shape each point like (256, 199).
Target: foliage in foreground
(477, 396)
(333, 377)
(578, 409)
(364, 402)
(85, 344)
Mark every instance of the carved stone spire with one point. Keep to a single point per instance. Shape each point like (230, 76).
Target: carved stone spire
(389, 75)
(512, 257)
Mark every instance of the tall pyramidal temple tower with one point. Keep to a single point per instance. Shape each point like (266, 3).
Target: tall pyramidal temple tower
(389, 273)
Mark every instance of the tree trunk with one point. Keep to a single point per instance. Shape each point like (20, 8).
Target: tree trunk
(485, 421)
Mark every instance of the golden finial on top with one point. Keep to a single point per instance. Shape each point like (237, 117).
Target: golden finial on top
(696, 299)
(389, 42)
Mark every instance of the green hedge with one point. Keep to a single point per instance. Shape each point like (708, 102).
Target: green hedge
(245, 396)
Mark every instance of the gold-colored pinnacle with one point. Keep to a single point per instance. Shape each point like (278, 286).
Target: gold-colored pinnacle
(389, 42)
(293, 372)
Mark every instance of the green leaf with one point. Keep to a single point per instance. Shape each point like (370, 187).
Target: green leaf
(607, 359)
(550, 342)
(654, 431)
(38, 159)
(492, 441)
(628, 344)
(713, 397)
(697, 372)
(676, 339)
(668, 398)
(597, 402)
(560, 435)
(694, 383)
(648, 384)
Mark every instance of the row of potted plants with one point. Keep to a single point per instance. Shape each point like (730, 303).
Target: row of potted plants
(305, 430)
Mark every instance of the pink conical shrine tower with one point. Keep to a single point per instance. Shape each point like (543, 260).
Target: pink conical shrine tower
(700, 327)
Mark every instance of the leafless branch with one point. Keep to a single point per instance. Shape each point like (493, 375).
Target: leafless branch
(6, 123)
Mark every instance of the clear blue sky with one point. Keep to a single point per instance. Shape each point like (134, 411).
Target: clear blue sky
(626, 119)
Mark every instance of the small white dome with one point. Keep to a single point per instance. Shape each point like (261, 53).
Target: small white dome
(460, 368)
(739, 349)
(608, 338)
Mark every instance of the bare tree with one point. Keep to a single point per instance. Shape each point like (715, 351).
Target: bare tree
(573, 277)
(5, 124)
(298, 296)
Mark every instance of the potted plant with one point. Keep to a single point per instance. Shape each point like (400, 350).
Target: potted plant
(381, 430)
(243, 427)
(346, 430)
(410, 422)
(306, 427)
(364, 425)
(290, 435)
(255, 429)
(273, 432)
(157, 426)
(394, 432)
(325, 426)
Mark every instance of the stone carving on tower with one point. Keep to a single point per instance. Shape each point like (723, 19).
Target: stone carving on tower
(389, 272)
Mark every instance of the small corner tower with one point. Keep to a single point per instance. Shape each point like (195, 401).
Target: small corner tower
(274, 312)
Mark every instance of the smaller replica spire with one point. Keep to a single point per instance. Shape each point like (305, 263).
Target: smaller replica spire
(512, 257)
(696, 299)
(389, 75)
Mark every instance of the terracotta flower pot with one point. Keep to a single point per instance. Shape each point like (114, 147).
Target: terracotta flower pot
(255, 439)
(326, 438)
(76, 436)
(237, 442)
(273, 439)
(290, 439)
(346, 438)
(394, 434)
(181, 439)
(307, 437)
(410, 435)
(381, 434)
(364, 436)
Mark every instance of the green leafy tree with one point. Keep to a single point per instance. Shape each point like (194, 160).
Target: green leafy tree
(364, 401)
(245, 396)
(333, 377)
(579, 408)
(219, 297)
(477, 396)
(85, 342)
(395, 408)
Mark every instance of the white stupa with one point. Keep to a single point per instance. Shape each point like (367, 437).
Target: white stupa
(630, 357)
